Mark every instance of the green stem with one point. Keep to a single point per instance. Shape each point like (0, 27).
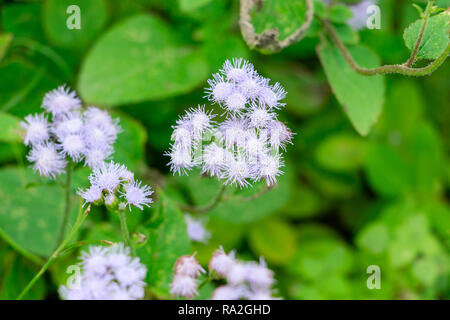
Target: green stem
(211, 205)
(204, 282)
(66, 214)
(80, 219)
(258, 194)
(125, 234)
(395, 68)
(413, 56)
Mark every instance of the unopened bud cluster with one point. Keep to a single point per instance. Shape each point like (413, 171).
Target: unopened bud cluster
(114, 185)
(187, 270)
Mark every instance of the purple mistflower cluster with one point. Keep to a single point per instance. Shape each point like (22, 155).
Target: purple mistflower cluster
(247, 145)
(66, 130)
(360, 15)
(107, 273)
(114, 185)
(186, 273)
(244, 279)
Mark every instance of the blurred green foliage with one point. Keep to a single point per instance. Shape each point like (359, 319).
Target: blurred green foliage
(345, 202)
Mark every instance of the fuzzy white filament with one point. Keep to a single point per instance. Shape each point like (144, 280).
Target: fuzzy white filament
(245, 146)
(47, 160)
(137, 195)
(37, 129)
(61, 102)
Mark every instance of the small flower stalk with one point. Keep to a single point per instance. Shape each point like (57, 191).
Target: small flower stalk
(107, 273)
(187, 270)
(245, 145)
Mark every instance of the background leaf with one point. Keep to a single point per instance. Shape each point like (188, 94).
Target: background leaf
(93, 14)
(30, 223)
(361, 97)
(167, 240)
(152, 64)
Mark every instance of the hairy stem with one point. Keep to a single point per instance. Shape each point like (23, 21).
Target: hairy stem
(396, 68)
(80, 219)
(413, 56)
(221, 198)
(268, 39)
(211, 205)
(68, 192)
(125, 233)
(258, 194)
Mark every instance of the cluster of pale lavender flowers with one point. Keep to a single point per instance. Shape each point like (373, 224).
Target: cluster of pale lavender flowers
(74, 133)
(247, 144)
(196, 229)
(359, 19)
(67, 131)
(114, 185)
(187, 270)
(107, 273)
(245, 280)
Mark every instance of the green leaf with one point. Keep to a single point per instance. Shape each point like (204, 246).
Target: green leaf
(374, 238)
(5, 41)
(23, 20)
(273, 239)
(319, 8)
(321, 257)
(435, 38)
(129, 148)
(93, 15)
(167, 241)
(190, 5)
(30, 214)
(10, 128)
(426, 270)
(23, 87)
(407, 240)
(17, 277)
(361, 97)
(346, 34)
(388, 173)
(339, 13)
(427, 159)
(312, 203)
(139, 59)
(286, 16)
(341, 152)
